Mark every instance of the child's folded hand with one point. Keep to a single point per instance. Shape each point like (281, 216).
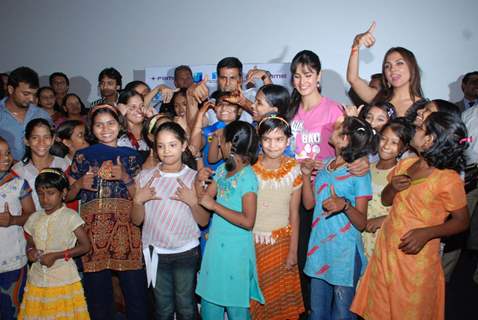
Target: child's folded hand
(401, 182)
(33, 254)
(47, 260)
(414, 240)
(207, 201)
(333, 204)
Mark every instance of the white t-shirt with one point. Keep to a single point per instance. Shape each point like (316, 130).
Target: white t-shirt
(29, 172)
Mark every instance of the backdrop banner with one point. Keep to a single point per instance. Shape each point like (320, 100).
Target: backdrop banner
(165, 74)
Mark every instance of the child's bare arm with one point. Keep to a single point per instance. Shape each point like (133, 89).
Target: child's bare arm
(397, 184)
(294, 224)
(308, 198)
(244, 219)
(215, 153)
(82, 246)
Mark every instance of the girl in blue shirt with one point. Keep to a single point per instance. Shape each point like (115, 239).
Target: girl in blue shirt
(228, 277)
(335, 257)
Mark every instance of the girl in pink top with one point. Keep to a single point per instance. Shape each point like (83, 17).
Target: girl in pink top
(313, 116)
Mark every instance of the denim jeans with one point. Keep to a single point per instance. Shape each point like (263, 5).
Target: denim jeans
(99, 294)
(212, 311)
(12, 285)
(175, 285)
(330, 302)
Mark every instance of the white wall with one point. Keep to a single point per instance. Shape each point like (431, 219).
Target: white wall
(82, 37)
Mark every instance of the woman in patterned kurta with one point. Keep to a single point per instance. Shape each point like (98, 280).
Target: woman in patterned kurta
(102, 175)
(404, 279)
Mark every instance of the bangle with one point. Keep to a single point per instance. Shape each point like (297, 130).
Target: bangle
(66, 255)
(354, 49)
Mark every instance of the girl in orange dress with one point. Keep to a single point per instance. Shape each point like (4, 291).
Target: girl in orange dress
(404, 278)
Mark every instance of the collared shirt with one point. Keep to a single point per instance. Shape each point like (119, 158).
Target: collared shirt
(29, 172)
(467, 104)
(470, 119)
(14, 131)
(52, 233)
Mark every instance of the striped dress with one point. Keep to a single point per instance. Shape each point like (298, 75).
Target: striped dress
(169, 226)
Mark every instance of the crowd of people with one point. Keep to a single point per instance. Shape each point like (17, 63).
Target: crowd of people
(258, 204)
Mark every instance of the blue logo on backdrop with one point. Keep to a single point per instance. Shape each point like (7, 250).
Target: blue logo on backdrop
(197, 77)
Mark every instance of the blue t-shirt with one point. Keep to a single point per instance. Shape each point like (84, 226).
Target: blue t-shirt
(207, 133)
(334, 240)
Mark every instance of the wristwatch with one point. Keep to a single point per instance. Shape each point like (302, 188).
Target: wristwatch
(347, 205)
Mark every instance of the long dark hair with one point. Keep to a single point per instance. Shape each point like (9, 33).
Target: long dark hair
(306, 58)
(447, 151)
(64, 131)
(415, 88)
(244, 143)
(38, 122)
(277, 96)
(362, 140)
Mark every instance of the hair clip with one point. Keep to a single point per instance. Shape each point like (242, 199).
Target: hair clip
(152, 123)
(466, 139)
(361, 129)
(104, 106)
(274, 117)
(48, 170)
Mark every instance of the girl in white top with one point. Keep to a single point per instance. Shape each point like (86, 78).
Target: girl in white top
(38, 141)
(165, 203)
(16, 205)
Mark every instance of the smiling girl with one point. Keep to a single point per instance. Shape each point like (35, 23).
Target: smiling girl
(38, 141)
(102, 175)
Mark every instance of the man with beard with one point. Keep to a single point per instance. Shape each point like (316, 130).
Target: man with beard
(16, 110)
(109, 83)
